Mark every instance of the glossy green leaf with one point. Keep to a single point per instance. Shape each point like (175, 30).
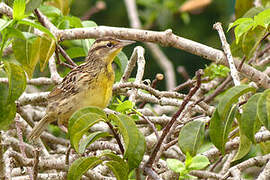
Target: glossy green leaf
(191, 137)
(242, 28)
(14, 33)
(263, 18)
(220, 128)
(47, 48)
(74, 22)
(230, 97)
(251, 41)
(133, 139)
(81, 126)
(199, 162)
(32, 4)
(253, 11)
(119, 169)
(247, 124)
(83, 111)
(27, 53)
(175, 165)
(38, 26)
(124, 106)
(241, 7)
(121, 61)
(85, 142)
(263, 108)
(16, 80)
(7, 109)
(18, 9)
(81, 165)
(244, 147)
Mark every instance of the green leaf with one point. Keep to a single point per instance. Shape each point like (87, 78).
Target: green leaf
(230, 97)
(7, 109)
(47, 48)
(75, 52)
(244, 147)
(251, 41)
(118, 166)
(118, 169)
(239, 21)
(199, 162)
(37, 26)
(263, 108)
(124, 106)
(74, 22)
(85, 142)
(27, 53)
(8, 112)
(14, 33)
(242, 28)
(248, 122)
(191, 137)
(50, 11)
(220, 128)
(241, 7)
(18, 9)
(175, 165)
(81, 126)
(32, 4)
(89, 23)
(16, 80)
(83, 111)
(263, 18)
(133, 139)
(121, 61)
(253, 11)
(6, 24)
(81, 165)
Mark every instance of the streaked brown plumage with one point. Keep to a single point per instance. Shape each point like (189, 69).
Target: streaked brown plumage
(89, 84)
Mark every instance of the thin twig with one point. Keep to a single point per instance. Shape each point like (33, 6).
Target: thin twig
(66, 56)
(227, 51)
(36, 161)
(117, 138)
(67, 155)
(58, 61)
(174, 118)
(152, 126)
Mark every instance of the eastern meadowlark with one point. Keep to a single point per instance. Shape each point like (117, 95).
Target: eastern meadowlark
(89, 84)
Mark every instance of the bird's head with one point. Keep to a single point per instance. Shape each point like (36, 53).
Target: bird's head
(107, 48)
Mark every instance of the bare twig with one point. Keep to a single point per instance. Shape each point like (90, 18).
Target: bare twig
(35, 165)
(116, 137)
(227, 51)
(58, 61)
(66, 56)
(175, 116)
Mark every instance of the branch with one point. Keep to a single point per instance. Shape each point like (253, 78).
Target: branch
(227, 51)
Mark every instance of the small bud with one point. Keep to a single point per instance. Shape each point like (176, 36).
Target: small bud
(159, 77)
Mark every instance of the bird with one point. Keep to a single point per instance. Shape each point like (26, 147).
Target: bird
(89, 84)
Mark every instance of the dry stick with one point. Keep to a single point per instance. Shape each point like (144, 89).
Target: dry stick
(117, 138)
(5, 9)
(36, 161)
(130, 66)
(227, 51)
(189, 82)
(150, 172)
(21, 145)
(265, 174)
(152, 126)
(160, 57)
(172, 121)
(218, 90)
(66, 56)
(67, 155)
(159, 77)
(58, 61)
(140, 72)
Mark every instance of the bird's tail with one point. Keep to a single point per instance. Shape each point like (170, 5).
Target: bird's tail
(39, 128)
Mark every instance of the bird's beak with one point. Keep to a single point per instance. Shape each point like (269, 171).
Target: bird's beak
(125, 43)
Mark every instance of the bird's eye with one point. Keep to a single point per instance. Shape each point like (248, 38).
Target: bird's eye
(109, 45)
